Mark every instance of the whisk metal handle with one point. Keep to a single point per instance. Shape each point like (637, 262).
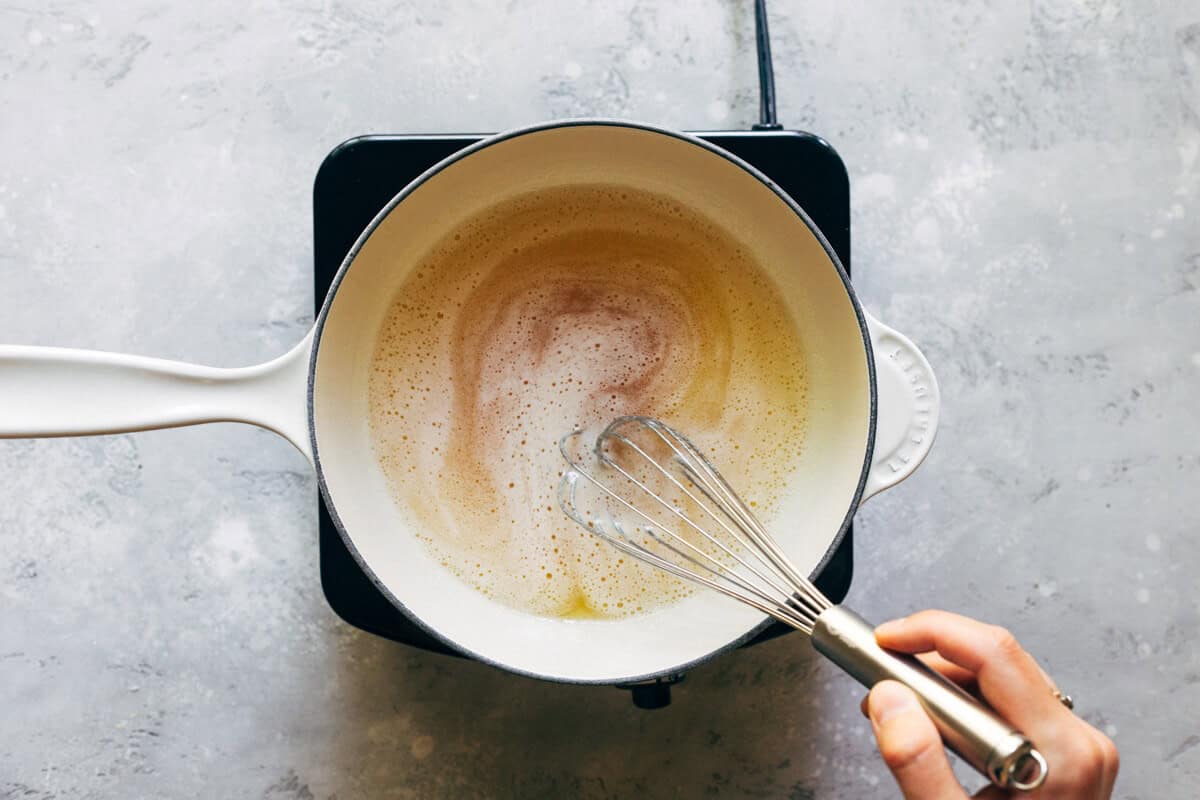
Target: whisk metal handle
(1000, 752)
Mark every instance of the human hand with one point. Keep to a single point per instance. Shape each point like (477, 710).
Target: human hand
(987, 660)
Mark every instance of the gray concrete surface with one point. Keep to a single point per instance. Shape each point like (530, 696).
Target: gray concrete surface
(1025, 206)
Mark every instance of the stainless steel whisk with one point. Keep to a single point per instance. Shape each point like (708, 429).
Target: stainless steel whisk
(661, 501)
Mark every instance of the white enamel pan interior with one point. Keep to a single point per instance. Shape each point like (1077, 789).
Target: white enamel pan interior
(872, 415)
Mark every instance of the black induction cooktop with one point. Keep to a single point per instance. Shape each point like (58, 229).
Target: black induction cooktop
(361, 175)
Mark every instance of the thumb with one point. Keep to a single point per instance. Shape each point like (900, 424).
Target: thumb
(910, 745)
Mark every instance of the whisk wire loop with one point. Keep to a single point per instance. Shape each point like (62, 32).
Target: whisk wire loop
(709, 482)
(623, 540)
(734, 504)
(606, 458)
(756, 599)
(810, 597)
(718, 543)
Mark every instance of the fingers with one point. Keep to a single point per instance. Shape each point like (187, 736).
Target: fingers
(1008, 677)
(910, 745)
(1112, 762)
(962, 677)
(1089, 763)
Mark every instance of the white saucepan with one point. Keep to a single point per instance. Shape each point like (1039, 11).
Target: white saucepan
(872, 416)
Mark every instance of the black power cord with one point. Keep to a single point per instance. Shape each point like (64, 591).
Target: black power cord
(766, 73)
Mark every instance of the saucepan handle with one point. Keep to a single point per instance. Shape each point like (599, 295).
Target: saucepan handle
(53, 391)
(1000, 752)
(907, 409)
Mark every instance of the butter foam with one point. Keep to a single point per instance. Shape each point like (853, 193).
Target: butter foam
(564, 308)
